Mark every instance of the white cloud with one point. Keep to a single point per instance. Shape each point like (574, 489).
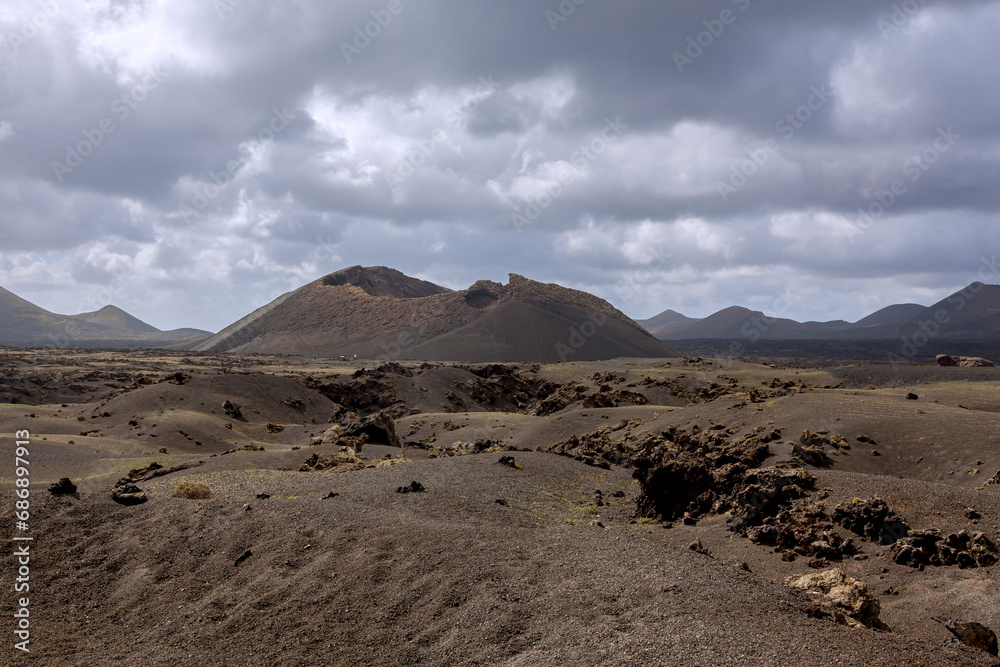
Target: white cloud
(646, 209)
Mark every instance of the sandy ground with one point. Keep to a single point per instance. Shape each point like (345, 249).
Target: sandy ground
(491, 564)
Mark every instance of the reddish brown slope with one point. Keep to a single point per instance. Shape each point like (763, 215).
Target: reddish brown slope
(380, 313)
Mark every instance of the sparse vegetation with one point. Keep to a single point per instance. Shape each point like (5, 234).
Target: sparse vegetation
(192, 491)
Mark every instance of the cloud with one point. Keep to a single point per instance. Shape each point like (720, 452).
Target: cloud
(243, 146)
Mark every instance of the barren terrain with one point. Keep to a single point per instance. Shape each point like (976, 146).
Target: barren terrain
(635, 511)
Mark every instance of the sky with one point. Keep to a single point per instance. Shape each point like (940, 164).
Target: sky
(190, 161)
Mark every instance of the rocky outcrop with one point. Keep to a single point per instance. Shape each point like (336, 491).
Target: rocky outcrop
(840, 598)
(995, 479)
(481, 446)
(64, 487)
(871, 519)
(675, 487)
(379, 428)
(964, 362)
(343, 461)
(932, 547)
(232, 409)
(606, 397)
(503, 387)
(128, 494)
(364, 393)
(802, 530)
(972, 634)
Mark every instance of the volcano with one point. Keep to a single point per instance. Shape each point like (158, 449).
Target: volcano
(378, 312)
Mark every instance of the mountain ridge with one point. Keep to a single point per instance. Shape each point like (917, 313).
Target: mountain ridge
(25, 324)
(972, 313)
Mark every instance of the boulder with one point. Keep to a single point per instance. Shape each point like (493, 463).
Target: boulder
(331, 434)
(973, 634)
(811, 455)
(345, 460)
(412, 487)
(837, 596)
(379, 427)
(63, 487)
(128, 494)
(964, 362)
(232, 409)
(871, 519)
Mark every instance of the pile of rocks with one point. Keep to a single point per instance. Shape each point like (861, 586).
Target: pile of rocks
(932, 547)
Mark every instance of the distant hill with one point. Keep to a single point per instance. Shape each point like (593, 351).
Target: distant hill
(890, 314)
(116, 318)
(24, 324)
(972, 314)
(377, 312)
(969, 314)
(666, 322)
(17, 313)
(737, 322)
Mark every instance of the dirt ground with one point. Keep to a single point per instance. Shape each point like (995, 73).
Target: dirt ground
(546, 559)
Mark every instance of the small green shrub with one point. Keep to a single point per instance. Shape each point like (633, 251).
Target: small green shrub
(192, 491)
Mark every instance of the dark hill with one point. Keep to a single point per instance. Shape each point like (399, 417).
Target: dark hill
(972, 314)
(736, 323)
(381, 313)
(383, 281)
(890, 314)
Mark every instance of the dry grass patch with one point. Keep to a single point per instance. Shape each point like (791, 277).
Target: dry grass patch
(192, 491)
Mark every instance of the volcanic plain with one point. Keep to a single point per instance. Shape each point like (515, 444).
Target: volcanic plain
(251, 509)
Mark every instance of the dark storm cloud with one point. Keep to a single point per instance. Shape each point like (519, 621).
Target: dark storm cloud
(255, 146)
